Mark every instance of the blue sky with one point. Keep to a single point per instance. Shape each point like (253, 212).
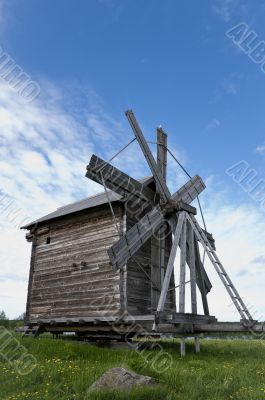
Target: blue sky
(173, 64)
(170, 61)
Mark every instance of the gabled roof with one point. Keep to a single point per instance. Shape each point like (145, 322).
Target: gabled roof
(89, 202)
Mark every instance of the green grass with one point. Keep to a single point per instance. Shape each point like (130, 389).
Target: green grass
(225, 369)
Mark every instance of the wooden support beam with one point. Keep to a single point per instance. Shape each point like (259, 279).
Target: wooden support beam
(31, 273)
(161, 137)
(200, 274)
(158, 242)
(192, 269)
(155, 271)
(162, 152)
(161, 184)
(207, 283)
(182, 278)
(197, 344)
(182, 347)
(170, 265)
(185, 318)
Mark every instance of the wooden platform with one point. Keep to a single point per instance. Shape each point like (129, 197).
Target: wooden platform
(147, 325)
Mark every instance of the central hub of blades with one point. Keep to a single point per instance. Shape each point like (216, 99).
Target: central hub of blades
(175, 206)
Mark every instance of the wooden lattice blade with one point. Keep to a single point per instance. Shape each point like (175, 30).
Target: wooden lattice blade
(131, 242)
(190, 190)
(130, 189)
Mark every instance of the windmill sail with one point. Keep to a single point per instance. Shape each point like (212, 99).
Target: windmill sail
(190, 190)
(130, 189)
(131, 242)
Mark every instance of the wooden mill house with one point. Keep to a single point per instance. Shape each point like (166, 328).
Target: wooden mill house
(102, 265)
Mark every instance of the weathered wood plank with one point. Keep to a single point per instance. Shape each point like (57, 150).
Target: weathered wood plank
(135, 237)
(72, 275)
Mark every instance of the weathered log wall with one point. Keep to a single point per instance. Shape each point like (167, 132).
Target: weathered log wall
(71, 274)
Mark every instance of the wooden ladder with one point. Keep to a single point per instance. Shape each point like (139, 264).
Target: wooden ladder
(233, 293)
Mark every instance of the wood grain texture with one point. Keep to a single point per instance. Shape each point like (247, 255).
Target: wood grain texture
(72, 276)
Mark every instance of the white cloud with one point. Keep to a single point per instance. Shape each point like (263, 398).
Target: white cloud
(260, 149)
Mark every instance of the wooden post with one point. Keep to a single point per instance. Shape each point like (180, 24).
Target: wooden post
(182, 347)
(170, 265)
(31, 271)
(158, 244)
(162, 166)
(197, 344)
(203, 291)
(162, 152)
(192, 269)
(160, 182)
(182, 278)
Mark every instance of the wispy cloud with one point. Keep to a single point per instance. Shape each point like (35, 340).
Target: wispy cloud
(224, 9)
(213, 124)
(242, 272)
(229, 86)
(258, 260)
(260, 149)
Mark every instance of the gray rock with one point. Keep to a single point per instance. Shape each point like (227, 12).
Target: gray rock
(121, 378)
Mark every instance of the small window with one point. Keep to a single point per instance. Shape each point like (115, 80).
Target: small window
(48, 240)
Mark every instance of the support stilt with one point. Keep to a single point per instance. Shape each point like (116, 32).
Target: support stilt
(182, 347)
(197, 344)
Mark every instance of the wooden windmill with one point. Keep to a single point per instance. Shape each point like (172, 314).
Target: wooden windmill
(103, 267)
(157, 209)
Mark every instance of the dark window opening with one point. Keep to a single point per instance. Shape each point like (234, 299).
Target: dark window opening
(48, 240)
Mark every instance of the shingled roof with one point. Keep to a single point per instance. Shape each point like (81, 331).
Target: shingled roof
(89, 202)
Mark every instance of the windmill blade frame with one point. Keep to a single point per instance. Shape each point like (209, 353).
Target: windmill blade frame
(114, 179)
(132, 241)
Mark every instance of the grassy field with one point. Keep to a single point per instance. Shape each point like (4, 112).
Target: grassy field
(233, 369)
